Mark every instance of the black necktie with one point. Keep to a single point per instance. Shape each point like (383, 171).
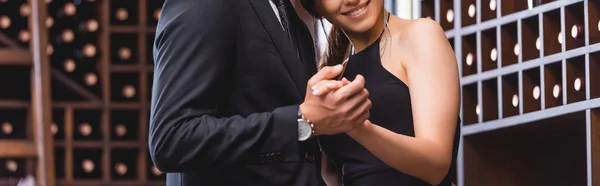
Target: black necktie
(297, 33)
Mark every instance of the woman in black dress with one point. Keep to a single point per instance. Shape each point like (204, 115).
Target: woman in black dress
(411, 73)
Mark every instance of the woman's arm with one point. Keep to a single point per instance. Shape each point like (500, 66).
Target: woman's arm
(434, 89)
(331, 175)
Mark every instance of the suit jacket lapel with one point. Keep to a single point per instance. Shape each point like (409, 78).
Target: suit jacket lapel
(287, 52)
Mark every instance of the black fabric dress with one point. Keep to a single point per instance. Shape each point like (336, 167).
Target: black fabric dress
(391, 109)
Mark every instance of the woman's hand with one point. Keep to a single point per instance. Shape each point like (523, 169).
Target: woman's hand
(325, 86)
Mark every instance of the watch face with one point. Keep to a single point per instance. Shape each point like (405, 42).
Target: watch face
(304, 130)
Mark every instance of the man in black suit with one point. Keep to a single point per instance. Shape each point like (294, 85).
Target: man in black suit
(230, 103)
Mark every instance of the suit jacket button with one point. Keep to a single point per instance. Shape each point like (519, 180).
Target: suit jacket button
(309, 157)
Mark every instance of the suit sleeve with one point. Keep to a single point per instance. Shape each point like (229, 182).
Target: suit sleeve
(194, 50)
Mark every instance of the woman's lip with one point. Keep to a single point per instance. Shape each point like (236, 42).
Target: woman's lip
(355, 8)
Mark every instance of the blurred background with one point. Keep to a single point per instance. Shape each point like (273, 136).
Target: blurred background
(76, 75)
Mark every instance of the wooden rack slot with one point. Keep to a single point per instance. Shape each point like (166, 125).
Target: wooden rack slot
(594, 21)
(57, 128)
(124, 48)
(59, 162)
(13, 123)
(553, 38)
(149, 49)
(489, 50)
(510, 95)
(124, 164)
(574, 26)
(469, 12)
(532, 91)
(594, 76)
(61, 91)
(576, 79)
(125, 86)
(153, 173)
(86, 124)
(428, 9)
(15, 83)
(530, 37)
(153, 11)
(527, 154)
(488, 9)
(87, 163)
(510, 7)
(553, 84)
(124, 12)
(124, 125)
(490, 99)
(470, 106)
(469, 55)
(510, 44)
(13, 168)
(447, 14)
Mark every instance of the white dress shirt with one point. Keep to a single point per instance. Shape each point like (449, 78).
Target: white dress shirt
(276, 12)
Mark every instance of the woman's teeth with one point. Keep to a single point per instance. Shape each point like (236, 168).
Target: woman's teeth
(358, 11)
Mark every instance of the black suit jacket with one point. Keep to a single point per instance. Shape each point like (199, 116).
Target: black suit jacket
(227, 85)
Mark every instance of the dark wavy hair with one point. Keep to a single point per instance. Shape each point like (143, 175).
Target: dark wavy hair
(338, 43)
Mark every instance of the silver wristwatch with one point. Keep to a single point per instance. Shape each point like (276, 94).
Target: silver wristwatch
(305, 130)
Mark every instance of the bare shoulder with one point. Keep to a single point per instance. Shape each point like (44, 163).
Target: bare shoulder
(422, 37)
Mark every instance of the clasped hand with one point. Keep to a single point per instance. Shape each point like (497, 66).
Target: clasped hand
(335, 106)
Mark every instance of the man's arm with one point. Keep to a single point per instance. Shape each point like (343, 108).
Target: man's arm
(195, 47)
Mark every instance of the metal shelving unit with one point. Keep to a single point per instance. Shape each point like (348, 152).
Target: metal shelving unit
(529, 88)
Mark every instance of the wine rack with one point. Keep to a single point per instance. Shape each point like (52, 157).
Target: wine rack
(530, 89)
(100, 69)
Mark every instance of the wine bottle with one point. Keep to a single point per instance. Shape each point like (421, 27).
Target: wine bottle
(124, 53)
(49, 49)
(493, 5)
(88, 26)
(157, 13)
(7, 128)
(53, 129)
(11, 166)
(450, 15)
(69, 65)
(538, 44)
(122, 14)
(68, 10)
(5, 22)
(560, 37)
(25, 10)
(556, 91)
(87, 165)
(24, 36)
(66, 36)
(88, 51)
(515, 100)
(91, 79)
(577, 31)
(121, 168)
(494, 54)
(477, 109)
(155, 171)
(471, 11)
(85, 129)
(469, 59)
(536, 92)
(49, 22)
(120, 130)
(517, 49)
(577, 84)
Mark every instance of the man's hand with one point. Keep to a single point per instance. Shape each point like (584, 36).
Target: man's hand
(335, 111)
